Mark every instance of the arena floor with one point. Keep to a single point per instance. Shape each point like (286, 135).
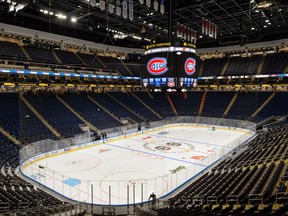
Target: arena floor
(126, 170)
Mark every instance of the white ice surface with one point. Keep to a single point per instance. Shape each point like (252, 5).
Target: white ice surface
(127, 170)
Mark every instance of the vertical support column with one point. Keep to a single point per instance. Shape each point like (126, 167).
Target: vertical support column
(92, 199)
(172, 105)
(261, 64)
(225, 67)
(109, 195)
(127, 199)
(202, 103)
(134, 205)
(185, 95)
(142, 200)
(230, 105)
(263, 105)
(201, 68)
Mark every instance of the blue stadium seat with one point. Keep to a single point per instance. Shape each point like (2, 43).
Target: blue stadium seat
(213, 67)
(60, 117)
(91, 112)
(190, 105)
(114, 107)
(41, 55)
(157, 102)
(12, 51)
(275, 63)
(243, 66)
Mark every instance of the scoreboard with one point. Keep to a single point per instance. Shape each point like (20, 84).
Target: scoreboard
(160, 82)
(169, 67)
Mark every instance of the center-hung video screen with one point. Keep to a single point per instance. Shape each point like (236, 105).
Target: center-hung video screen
(169, 69)
(158, 65)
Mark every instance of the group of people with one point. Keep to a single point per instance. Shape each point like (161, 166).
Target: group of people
(101, 136)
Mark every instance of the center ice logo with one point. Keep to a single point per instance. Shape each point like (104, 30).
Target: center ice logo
(190, 66)
(157, 66)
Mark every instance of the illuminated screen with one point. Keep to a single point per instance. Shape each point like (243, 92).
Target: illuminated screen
(158, 65)
(159, 82)
(169, 69)
(188, 65)
(188, 69)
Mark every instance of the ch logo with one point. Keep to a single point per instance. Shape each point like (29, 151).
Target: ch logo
(157, 66)
(190, 66)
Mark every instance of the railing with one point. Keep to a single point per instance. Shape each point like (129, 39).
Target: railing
(136, 191)
(49, 145)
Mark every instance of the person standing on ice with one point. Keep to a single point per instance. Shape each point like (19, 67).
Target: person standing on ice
(153, 197)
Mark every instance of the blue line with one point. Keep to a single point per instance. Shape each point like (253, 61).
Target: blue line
(156, 155)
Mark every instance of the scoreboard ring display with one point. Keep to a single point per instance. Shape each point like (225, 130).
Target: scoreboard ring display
(165, 66)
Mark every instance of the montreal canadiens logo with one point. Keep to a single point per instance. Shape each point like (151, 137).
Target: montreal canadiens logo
(190, 66)
(171, 84)
(157, 66)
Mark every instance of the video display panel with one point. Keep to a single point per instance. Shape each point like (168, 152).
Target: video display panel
(158, 65)
(170, 69)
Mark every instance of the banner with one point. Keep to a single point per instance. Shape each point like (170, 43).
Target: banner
(118, 10)
(148, 3)
(203, 25)
(118, 7)
(195, 37)
(93, 3)
(206, 26)
(181, 31)
(192, 35)
(102, 4)
(156, 5)
(178, 30)
(215, 33)
(162, 7)
(186, 33)
(125, 8)
(131, 10)
(141, 1)
(111, 8)
(210, 28)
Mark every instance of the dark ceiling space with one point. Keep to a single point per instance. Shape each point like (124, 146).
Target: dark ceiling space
(238, 21)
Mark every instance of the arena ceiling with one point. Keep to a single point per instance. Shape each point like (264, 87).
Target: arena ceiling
(238, 21)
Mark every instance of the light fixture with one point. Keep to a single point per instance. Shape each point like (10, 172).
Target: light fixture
(73, 19)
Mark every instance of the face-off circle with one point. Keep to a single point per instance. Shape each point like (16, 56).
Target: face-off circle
(168, 146)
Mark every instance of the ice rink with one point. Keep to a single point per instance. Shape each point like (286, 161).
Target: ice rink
(125, 170)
